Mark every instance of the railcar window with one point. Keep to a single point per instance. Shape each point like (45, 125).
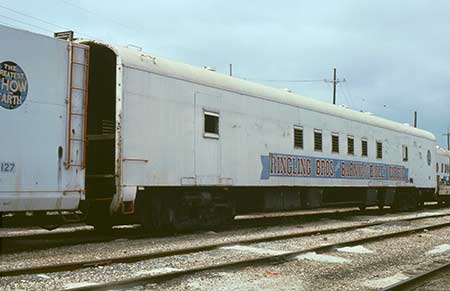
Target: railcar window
(211, 124)
(335, 143)
(350, 145)
(364, 147)
(437, 167)
(405, 153)
(317, 140)
(298, 137)
(442, 168)
(379, 150)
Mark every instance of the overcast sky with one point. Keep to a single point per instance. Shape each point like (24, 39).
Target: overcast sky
(394, 55)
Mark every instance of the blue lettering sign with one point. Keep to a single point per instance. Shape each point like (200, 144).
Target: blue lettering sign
(282, 165)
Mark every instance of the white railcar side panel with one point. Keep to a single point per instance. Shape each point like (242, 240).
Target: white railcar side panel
(164, 142)
(35, 140)
(442, 166)
(158, 131)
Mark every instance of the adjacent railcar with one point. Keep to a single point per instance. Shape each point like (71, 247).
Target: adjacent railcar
(42, 112)
(442, 175)
(179, 145)
(443, 165)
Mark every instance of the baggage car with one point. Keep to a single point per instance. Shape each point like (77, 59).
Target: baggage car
(43, 94)
(180, 145)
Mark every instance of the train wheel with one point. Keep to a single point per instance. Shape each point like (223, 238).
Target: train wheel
(446, 200)
(168, 218)
(412, 201)
(156, 213)
(148, 210)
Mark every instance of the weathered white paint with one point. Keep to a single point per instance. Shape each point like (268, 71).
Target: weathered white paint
(33, 132)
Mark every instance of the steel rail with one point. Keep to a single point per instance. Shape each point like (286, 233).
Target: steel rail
(153, 255)
(11, 244)
(142, 280)
(413, 282)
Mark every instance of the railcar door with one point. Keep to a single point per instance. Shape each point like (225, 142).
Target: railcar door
(101, 124)
(207, 139)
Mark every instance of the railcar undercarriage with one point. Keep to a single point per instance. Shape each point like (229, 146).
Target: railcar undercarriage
(162, 209)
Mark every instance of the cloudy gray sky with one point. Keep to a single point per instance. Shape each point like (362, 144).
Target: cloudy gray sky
(394, 55)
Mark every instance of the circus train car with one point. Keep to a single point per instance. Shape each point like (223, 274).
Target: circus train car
(43, 116)
(173, 145)
(443, 175)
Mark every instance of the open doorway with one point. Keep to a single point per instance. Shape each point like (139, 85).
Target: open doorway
(101, 124)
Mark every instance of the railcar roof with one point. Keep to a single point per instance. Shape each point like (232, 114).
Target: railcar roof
(442, 151)
(132, 57)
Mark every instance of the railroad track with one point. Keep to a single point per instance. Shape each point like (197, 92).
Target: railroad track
(66, 237)
(421, 279)
(176, 252)
(255, 261)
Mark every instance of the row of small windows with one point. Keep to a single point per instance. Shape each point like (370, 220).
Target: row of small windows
(211, 129)
(445, 168)
(318, 144)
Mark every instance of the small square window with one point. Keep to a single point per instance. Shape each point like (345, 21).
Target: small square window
(317, 140)
(298, 137)
(405, 153)
(379, 150)
(350, 145)
(364, 147)
(211, 124)
(335, 143)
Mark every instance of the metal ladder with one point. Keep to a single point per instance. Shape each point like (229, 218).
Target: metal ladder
(77, 105)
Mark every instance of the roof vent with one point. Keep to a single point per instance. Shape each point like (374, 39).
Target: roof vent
(287, 90)
(66, 35)
(212, 69)
(407, 124)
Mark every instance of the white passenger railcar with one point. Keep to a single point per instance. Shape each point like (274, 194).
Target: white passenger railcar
(42, 112)
(443, 164)
(443, 174)
(187, 144)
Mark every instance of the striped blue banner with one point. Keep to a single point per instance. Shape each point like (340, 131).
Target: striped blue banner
(283, 165)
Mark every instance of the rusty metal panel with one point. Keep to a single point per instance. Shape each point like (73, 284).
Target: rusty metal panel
(33, 174)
